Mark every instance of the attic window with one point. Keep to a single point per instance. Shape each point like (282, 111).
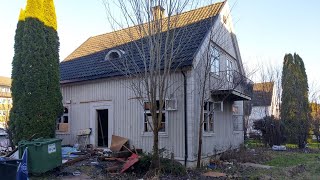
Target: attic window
(114, 54)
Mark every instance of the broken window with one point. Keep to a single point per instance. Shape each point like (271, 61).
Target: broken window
(63, 121)
(148, 124)
(208, 121)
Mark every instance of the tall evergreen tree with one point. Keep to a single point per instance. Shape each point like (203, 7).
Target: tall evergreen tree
(295, 107)
(52, 54)
(17, 71)
(37, 101)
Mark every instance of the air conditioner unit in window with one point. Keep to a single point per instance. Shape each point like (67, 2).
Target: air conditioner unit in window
(218, 106)
(171, 104)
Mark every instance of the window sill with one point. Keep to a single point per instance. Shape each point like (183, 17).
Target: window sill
(237, 132)
(208, 134)
(62, 133)
(150, 134)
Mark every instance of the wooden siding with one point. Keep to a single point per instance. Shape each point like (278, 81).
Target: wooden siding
(128, 114)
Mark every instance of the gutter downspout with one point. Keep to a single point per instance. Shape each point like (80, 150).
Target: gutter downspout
(185, 119)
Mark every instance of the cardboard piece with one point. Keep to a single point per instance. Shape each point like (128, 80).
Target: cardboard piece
(63, 127)
(117, 142)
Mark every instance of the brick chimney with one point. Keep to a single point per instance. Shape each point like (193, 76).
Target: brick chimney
(157, 12)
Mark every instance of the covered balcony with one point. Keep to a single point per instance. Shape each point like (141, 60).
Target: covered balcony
(230, 85)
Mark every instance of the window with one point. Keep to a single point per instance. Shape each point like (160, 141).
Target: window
(215, 60)
(5, 90)
(229, 70)
(147, 125)
(114, 54)
(208, 114)
(237, 119)
(218, 106)
(63, 121)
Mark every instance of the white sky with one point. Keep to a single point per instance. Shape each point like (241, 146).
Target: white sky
(266, 30)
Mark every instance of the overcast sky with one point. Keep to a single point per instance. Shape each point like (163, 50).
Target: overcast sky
(266, 30)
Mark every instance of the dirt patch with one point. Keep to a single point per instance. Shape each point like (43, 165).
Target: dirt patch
(293, 171)
(258, 155)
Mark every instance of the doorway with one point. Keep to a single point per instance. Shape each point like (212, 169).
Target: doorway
(102, 122)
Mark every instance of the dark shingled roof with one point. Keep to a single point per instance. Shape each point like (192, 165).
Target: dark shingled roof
(88, 61)
(262, 94)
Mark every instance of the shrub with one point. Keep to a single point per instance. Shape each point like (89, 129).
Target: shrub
(167, 166)
(272, 130)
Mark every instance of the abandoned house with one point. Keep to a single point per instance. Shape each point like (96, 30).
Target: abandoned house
(96, 94)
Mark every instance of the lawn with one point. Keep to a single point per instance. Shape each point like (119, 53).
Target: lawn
(290, 164)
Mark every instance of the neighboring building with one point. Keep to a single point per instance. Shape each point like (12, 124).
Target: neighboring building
(5, 100)
(94, 90)
(264, 103)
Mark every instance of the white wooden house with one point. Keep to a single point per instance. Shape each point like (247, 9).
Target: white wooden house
(92, 89)
(265, 102)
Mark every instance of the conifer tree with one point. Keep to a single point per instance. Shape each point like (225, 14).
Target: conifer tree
(17, 71)
(37, 99)
(295, 107)
(52, 54)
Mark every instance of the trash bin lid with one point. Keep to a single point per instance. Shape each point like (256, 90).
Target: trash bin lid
(39, 142)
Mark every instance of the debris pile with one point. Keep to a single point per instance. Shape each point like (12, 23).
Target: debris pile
(116, 159)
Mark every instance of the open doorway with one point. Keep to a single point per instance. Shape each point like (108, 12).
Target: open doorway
(102, 122)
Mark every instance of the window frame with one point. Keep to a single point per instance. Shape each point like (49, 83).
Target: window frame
(69, 119)
(214, 60)
(206, 118)
(145, 123)
(235, 119)
(229, 69)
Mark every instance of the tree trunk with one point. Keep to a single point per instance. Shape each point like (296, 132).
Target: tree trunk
(200, 139)
(199, 148)
(155, 163)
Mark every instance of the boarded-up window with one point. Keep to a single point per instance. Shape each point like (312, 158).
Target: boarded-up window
(63, 122)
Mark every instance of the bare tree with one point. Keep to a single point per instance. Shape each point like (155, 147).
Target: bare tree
(314, 99)
(211, 79)
(149, 44)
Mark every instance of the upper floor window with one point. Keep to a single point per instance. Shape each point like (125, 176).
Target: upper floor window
(148, 123)
(229, 70)
(208, 115)
(215, 60)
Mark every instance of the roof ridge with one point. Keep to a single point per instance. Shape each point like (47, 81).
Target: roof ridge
(221, 2)
(105, 41)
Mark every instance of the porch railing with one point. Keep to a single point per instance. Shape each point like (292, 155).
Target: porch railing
(231, 80)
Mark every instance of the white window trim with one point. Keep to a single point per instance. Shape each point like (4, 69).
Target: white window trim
(215, 68)
(209, 133)
(229, 69)
(236, 114)
(161, 134)
(221, 106)
(69, 120)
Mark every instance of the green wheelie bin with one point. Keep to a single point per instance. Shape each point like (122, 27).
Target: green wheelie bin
(43, 154)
